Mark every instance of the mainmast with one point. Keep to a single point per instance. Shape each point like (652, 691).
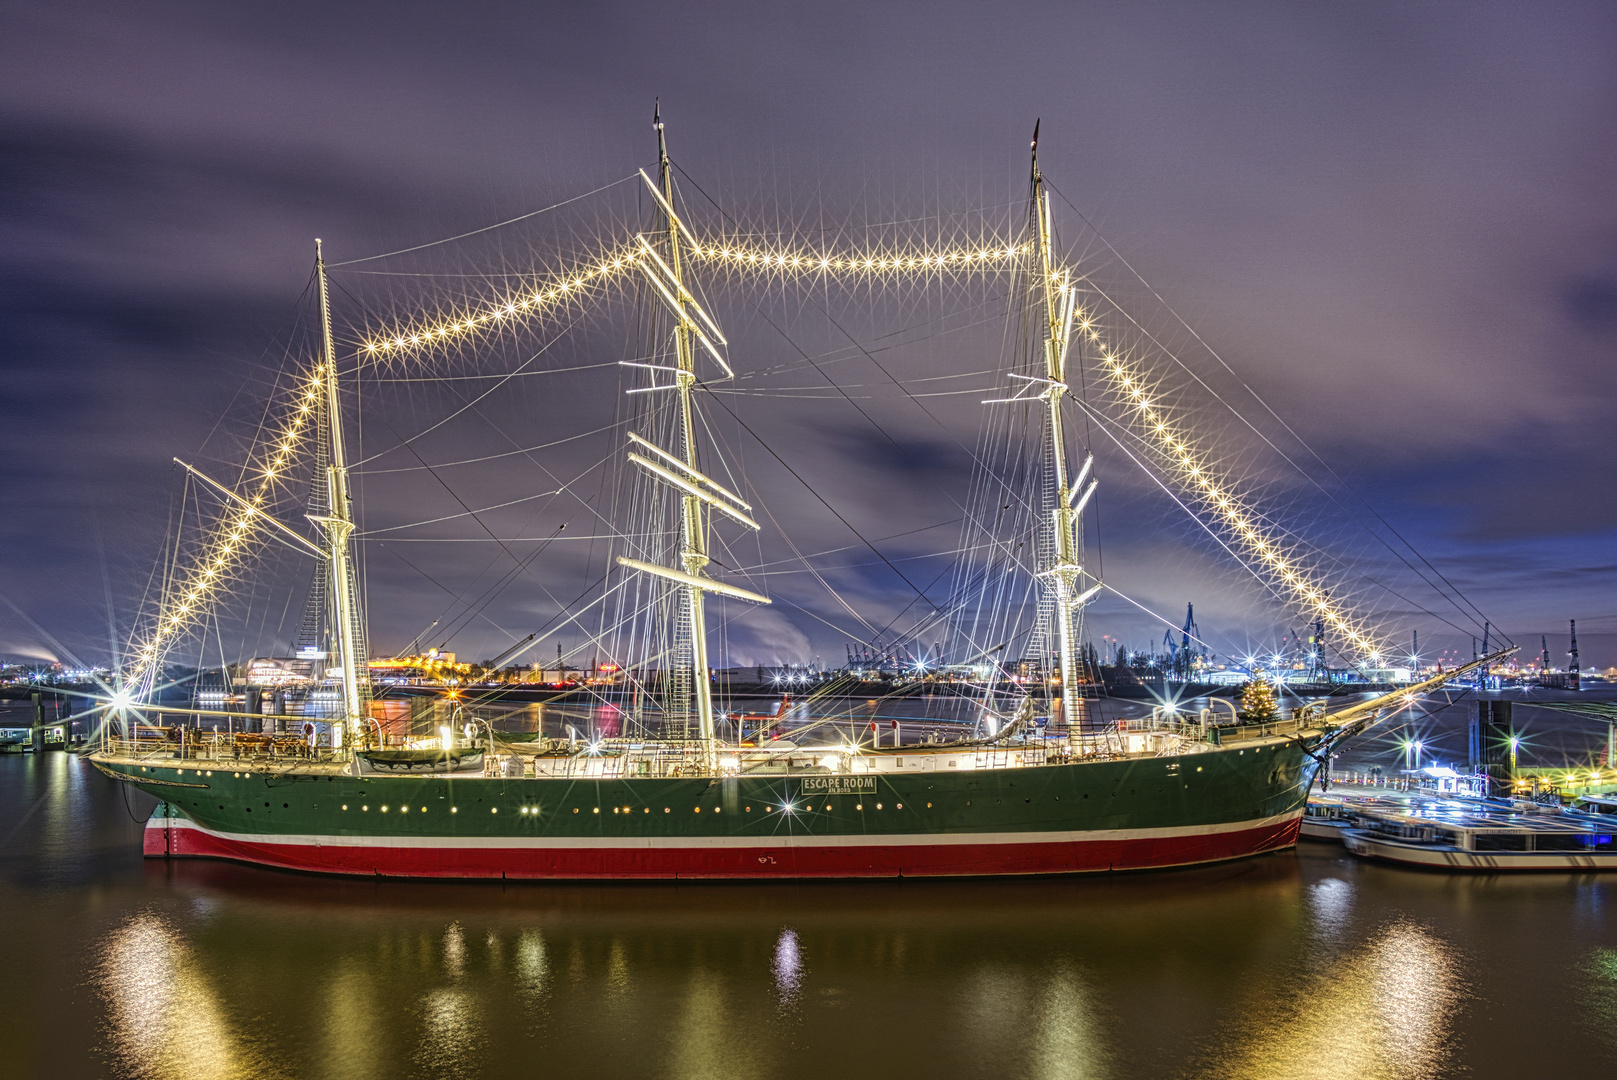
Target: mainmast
(692, 534)
(700, 494)
(339, 524)
(1062, 576)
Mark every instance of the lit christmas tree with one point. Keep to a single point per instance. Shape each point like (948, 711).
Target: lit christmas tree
(1258, 705)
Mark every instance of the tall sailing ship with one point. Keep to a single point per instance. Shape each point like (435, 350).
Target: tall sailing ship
(1007, 798)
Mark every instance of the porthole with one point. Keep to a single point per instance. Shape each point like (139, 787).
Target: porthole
(697, 809)
(667, 810)
(858, 806)
(929, 806)
(878, 806)
(494, 809)
(597, 810)
(345, 806)
(898, 806)
(575, 809)
(454, 809)
(364, 807)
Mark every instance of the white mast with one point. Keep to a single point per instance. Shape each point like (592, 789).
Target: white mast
(692, 530)
(339, 525)
(1066, 569)
(701, 494)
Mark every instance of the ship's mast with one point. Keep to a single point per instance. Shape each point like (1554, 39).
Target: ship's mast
(1062, 576)
(700, 494)
(339, 524)
(692, 530)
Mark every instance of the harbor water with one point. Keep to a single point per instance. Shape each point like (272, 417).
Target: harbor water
(1305, 963)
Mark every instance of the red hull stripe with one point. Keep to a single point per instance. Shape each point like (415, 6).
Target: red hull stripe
(746, 843)
(784, 857)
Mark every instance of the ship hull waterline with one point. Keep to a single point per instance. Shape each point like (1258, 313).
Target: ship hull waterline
(1130, 814)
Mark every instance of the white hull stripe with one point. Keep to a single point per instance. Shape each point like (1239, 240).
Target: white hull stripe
(629, 843)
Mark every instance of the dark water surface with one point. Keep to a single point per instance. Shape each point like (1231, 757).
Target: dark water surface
(1305, 964)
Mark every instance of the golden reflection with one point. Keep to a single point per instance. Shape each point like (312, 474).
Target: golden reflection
(1383, 1012)
(532, 967)
(352, 1019)
(454, 951)
(165, 1016)
(1068, 1043)
(1600, 1001)
(451, 1036)
(1330, 905)
(705, 1046)
(618, 982)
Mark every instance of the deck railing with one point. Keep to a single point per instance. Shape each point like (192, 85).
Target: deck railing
(223, 748)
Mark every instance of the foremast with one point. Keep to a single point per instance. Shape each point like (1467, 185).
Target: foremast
(1062, 578)
(338, 521)
(700, 495)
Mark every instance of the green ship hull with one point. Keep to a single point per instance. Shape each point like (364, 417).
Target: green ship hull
(1128, 813)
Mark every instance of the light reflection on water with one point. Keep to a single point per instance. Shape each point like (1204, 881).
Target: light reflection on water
(1330, 902)
(1599, 1000)
(452, 1036)
(351, 1016)
(787, 968)
(1068, 1041)
(1381, 1012)
(164, 1014)
(532, 968)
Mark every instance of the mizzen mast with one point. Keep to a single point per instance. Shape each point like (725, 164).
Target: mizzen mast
(339, 525)
(1062, 576)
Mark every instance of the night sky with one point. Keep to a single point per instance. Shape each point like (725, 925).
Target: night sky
(1395, 221)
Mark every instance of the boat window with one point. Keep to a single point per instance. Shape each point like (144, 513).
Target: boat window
(1501, 842)
(1573, 842)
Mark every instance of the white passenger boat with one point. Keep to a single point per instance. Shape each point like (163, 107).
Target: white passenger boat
(1482, 837)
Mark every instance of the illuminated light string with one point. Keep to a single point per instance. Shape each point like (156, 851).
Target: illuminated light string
(1278, 556)
(238, 531)
(993, 254)
(539, 297)
(1192, 467)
